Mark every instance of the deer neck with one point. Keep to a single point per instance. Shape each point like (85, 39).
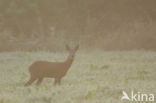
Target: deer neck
(68, 62)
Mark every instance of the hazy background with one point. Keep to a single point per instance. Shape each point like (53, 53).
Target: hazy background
(96, 24)
(100, 27)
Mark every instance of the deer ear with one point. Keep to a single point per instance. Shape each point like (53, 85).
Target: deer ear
(77, 47)
(67, 47)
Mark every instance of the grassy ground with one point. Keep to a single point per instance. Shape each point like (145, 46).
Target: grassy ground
(95, 77)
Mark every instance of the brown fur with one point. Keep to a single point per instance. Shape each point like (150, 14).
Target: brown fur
(41, 69)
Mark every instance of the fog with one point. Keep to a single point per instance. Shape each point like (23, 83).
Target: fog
(101, 24)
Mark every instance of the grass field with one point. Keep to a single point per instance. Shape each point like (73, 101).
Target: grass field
(94, 77)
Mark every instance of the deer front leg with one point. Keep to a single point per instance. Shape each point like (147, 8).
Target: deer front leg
(57, 81)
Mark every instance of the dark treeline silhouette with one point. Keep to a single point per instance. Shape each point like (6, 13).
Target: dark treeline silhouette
(103, 24)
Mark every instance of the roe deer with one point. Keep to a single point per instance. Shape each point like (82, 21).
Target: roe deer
(40, 69)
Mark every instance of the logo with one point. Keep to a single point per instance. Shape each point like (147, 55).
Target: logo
(137, 97)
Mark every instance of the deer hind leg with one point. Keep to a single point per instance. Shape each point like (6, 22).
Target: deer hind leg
(39, 81)
(31, 80)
